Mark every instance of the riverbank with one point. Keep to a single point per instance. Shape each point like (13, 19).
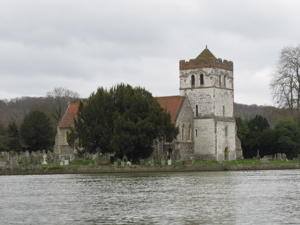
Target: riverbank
(138, 168)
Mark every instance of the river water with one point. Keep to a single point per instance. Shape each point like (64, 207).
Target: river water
(227, 197)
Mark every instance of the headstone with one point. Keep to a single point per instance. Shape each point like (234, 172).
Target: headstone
(61, 163)
(142, 162)
(34, 159)
(122, 163)
(56, 160)
(169, 162)
(115, 163)
(284, 157)
(44, 161)
(66, 162)
(163, 161)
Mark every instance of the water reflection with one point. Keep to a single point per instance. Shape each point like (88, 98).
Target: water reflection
(269, 197)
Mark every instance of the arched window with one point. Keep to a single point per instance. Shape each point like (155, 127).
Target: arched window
(182, 132)
(223, 110)
(220, 80)
(201, 79)
(197, 111)
(193, 80)
(66, 137)
(226, 131)
(224, 81)
(196, 132)
(190, 132)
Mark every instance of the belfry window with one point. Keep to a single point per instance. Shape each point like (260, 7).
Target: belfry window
(193, 80)
(201, 79)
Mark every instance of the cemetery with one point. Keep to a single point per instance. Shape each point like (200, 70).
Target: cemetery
(47, 162)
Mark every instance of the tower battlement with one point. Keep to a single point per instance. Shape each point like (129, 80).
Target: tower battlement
(202, 63)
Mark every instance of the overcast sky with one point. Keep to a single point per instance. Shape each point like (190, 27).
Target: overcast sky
(81, 45)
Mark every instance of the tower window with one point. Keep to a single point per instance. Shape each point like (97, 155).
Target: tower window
(220, 80)
(223, 110)
(196, 131)
(226, 131)
(193, 80)
(224, 81)
(197, 111)
(201, 79)
(182, 132)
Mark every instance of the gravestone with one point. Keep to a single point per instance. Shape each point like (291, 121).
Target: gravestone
(163, 161)
(44, 159)
(142, 162)
(56, 160)
(284, 157)
(169, 162)
(66, 162)
(34, 159)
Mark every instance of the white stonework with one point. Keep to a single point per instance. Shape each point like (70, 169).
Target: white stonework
(209, 90)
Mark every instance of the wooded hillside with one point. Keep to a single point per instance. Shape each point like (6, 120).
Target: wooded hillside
(16, 109)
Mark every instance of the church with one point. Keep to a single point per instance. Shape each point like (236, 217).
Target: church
(203, 111)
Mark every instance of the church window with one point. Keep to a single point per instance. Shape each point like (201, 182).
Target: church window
(197, 111)
(196, 132)
(220, 80)
(223, 110)
(66, 137)
(224, 81)
(201, 79)
(182, 132)
(190, 132)
(226, 131)
(193, 80)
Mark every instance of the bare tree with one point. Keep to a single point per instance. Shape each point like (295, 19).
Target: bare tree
(285, 83)
(59, 99)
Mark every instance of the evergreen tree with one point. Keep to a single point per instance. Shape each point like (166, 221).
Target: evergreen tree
(36, 131)
(253, 140)
(124, 120)
(288, 136)
(13, 137)
(3, 139)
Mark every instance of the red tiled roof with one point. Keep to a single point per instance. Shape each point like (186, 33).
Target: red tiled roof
(172, 104)
(70, 115)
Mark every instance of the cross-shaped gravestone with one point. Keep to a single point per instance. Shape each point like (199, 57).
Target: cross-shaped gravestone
(44, 162)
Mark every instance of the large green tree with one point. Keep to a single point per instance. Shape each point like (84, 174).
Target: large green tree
(124, 120)
(288, 136)
(36, 131)
(13, 137)
(252, 140)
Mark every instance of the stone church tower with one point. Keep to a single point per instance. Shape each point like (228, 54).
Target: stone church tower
(207, 82)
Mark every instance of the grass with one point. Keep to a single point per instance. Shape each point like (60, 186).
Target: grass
(197, 162)
(254, 161)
